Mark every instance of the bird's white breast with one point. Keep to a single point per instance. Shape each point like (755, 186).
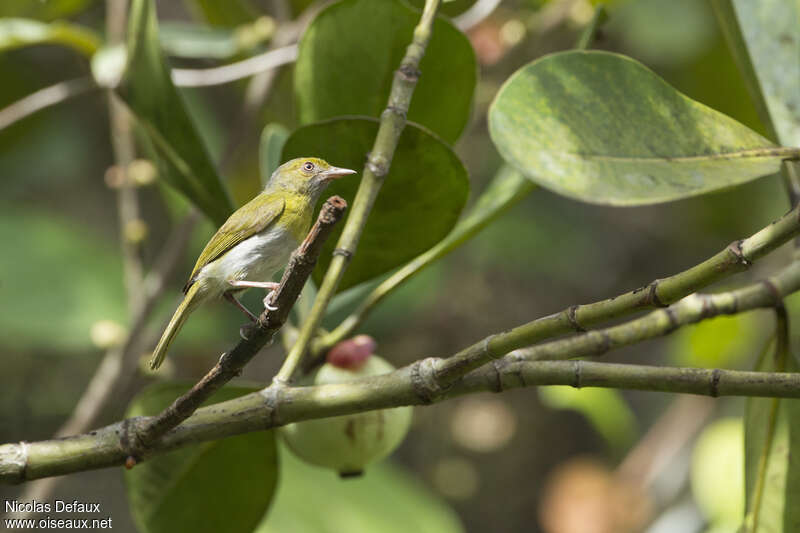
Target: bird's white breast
(256, 258)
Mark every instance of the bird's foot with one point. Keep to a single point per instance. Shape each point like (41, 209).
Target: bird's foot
(268, 300)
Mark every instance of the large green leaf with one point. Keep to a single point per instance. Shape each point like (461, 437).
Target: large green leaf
(55, 265)
(765, 39)
(602, 128)
(19, 32)
(229, 14)
(162, 114)
(772, 434)
(224, 485)
(386, 500)
(47, 10)
(418, 205)
(348, 56)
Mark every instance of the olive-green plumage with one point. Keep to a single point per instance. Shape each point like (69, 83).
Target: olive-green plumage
(255, 241)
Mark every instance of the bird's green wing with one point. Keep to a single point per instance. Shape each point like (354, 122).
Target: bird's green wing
(253, 217)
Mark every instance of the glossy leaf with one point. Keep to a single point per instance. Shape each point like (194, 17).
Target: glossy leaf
(345, 66)
(223, 485)
(772, 428)
(19, 32)
(230, 13)
(189, 40)
(385, 499)
(764, 37)
(161, 112)
(605, 409)
(419, 202)
(84, 288)
(720, 449)
(273, 137)
(602, 128)
(48, 10)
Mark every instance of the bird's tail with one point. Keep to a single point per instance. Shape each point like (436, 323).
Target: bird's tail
(190, 301)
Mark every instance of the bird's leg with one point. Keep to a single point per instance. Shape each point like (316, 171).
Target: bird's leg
(269, 285)
(232, 299)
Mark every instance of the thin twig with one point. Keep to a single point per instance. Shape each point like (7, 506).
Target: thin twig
(475, 14)
(44, 98)
(736, 257)
(379, 160)
(231, 363)
(235, 71)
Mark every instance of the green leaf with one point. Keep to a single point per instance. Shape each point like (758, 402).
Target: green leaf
(224, 485)
(47, 10)
(183, 39)
(451, 8)
(605, 409)
(59, 266)
(162, 114)
(764, 37)
(602, 128)
(719, 449)
(19, 32)
(273, 137)
(385, 499)
(418, 205)
(345, 66)
(230, 13)
(772, 434)
(721, 342)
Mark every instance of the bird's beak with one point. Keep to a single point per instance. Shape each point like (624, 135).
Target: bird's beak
(336, 172)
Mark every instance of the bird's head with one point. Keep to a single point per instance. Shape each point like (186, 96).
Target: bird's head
(306, 175)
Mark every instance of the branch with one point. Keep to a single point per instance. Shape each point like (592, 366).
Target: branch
(268, 60)
(44, 98)
(392, 123)
(279, 405)
(231, 363)
(508, 186)
(736, 257)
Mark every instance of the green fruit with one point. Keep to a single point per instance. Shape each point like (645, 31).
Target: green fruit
(348, 443)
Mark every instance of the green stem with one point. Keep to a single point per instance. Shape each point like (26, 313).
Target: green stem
(486, 209)
(738, 256)
(506, 189)
(392, 123)
(781, 355)
(590, 31)
(277, 406)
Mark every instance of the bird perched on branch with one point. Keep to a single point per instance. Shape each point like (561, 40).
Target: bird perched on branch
(255, 242)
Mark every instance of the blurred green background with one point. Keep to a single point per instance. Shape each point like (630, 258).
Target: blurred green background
(520, 461)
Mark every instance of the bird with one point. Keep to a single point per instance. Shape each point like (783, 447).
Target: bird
(255, 242)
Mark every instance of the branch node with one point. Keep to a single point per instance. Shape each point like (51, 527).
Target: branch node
(674, 323)
(735, 248)
(347, 254)
(271, 401)
(652, 295)
(777, 299)
(378, 165)
(577, 369)
(713, 384)
(409, 72)
(496, 383)
(423, 379)
(572, 317)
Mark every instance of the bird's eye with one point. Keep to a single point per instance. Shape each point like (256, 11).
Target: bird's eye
(308, 166)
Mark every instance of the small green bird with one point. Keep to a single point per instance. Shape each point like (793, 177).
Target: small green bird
(255, 242)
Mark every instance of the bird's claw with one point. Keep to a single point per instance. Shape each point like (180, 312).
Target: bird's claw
(268, 299)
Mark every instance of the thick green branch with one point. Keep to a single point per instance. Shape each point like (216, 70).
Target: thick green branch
(736, 257)
(279, 405)
(379, 160)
